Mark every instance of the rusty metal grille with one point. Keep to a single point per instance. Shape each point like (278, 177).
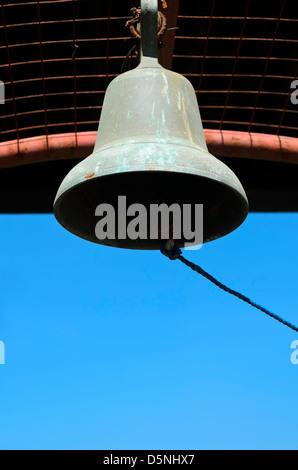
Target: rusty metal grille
(57, 58)
(241, 58)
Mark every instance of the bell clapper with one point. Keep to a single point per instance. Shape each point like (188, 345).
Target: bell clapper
(170, 245)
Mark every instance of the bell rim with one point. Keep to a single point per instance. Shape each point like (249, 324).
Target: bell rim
(241, 217)
(95, 170)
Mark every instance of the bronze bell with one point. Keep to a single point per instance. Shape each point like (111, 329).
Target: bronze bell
(150, 147)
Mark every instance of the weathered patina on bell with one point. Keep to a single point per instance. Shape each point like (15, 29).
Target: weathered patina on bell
(150, 147)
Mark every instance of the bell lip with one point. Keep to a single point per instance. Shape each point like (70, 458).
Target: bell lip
(145, 246)
(139, 169)
(95, 170)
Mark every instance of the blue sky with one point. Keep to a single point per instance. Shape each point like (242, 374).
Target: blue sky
(115, 349)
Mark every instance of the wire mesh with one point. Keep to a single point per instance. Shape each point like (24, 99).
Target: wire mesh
(57, 59)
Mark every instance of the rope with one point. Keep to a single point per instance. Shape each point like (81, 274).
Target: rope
(162, 23)
(127, 61)
(175, 253)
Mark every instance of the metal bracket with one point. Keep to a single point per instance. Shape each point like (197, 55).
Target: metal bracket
(149, 28)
